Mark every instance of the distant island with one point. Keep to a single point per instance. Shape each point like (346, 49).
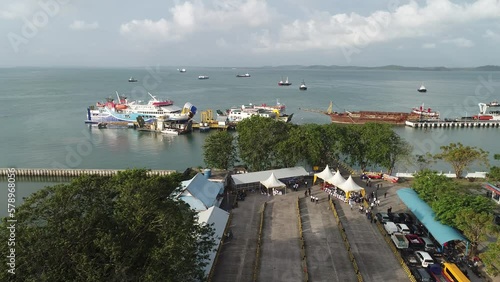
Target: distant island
(403, 68)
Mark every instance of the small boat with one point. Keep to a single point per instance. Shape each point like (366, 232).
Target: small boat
(284, 83)
(422, 88)
(131, 79)
(181, 70)
(303, 86)
(171, 131)
(243, 75)
(202, 77)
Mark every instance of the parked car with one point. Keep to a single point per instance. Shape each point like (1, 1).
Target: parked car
(429, 245)
(424, 258)
(382, 217)
(405, 218)
(416, 229)
(394, 217)
(390, 227)
(403, 228)
(422, 275)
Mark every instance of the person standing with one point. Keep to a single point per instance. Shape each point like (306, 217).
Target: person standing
(385, 195)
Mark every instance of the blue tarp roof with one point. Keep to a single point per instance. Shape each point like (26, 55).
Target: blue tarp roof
(424, 213)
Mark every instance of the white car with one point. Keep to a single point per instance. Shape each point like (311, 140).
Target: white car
(390, 227)
(424, 258)
(403, 228)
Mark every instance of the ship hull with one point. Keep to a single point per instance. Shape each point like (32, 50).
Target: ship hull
(395, 118)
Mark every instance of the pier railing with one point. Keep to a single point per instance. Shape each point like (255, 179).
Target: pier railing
(56, 172)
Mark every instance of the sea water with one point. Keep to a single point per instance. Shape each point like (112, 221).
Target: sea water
(42, 110)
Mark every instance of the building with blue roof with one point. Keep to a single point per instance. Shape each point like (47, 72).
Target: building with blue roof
(200, 193)
(424, 213)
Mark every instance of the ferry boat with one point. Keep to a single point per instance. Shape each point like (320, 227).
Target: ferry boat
(237, 114)
(284, 83)
(490, 111)
(396, 118)
(125, 111)
(243, 75)
(303, 86)
(131, 79)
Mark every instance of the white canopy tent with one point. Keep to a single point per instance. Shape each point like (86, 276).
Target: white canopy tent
(350, 186)
(325, 174)
(273, 182)
(336, 179)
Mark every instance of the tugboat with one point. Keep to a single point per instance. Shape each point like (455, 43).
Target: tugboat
(303, 86)
(131, 79)
(422, 89)
(284, 83)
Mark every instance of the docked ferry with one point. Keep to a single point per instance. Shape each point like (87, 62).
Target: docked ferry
(490, 111)
(124, 111)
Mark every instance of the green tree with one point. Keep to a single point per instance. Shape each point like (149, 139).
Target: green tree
(424, 161)
(494, 174)
(123, 228)
(430, 186)
(491, 258)
(219, 150)
(460, 157)
(475, 226)
(258, 138)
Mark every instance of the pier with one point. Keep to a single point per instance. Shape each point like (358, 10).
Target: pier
(454, 124)
(57, 172)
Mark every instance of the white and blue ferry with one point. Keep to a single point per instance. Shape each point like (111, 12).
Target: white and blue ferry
(124, 111)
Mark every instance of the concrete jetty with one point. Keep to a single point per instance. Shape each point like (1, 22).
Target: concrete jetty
(57, 172)
(454, 124)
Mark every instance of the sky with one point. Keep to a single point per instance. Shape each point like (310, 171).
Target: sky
(249, 33)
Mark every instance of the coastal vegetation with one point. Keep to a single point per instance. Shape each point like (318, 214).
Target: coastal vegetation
(456, 206)
(219, 150)
(494, 174)
(460, 157)
(264, 144)
(121, 228)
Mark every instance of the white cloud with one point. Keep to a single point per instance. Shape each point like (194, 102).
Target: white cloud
(460, 42)
(428, 45)
(189, 17)
(490, 34)
(82, 25)
(17, 9)
(326, 31)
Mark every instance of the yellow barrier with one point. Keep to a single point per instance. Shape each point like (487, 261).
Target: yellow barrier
(212, 270)
(346, 242)
(256, 268)
(302, 244)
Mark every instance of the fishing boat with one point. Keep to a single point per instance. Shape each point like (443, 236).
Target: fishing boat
(243, 75)
(124, 111)
(203, 77)
(303, 86)
(396, 118)
(284, 83)
(422, 88)
(131, 79)
(181, 70)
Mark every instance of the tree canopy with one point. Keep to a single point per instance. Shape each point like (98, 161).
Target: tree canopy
(475, 226)
(460, 157)
(120, 228)
(219, 150)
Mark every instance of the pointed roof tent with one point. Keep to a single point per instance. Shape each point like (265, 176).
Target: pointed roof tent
(336, 179)
(272, 182)
(350, 186)
(325, 174)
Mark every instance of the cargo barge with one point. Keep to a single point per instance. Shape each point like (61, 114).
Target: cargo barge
(395, 118)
